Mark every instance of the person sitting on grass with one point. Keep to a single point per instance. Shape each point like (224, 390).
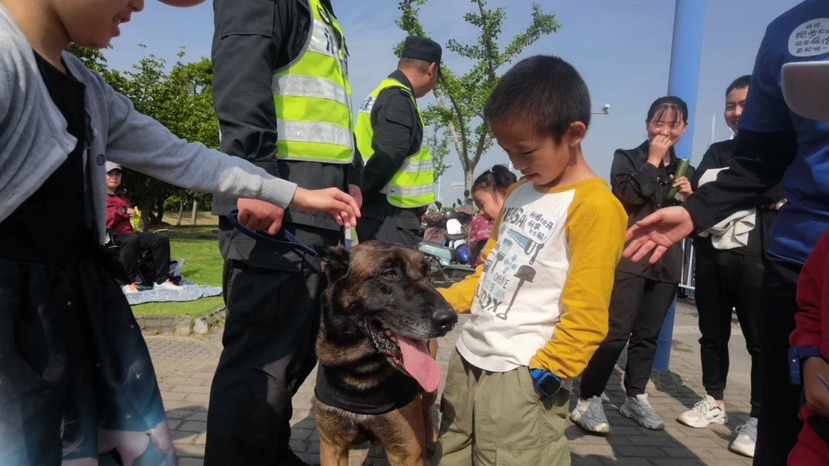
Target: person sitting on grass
(119, 214)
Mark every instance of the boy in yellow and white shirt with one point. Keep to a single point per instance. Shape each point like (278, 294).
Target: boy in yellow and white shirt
(540, 301)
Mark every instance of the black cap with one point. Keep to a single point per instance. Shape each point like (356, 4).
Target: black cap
(421, 48)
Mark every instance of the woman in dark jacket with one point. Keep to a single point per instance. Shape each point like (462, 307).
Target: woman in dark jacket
(642, 293)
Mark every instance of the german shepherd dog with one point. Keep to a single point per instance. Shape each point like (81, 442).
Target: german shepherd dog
(378, 311)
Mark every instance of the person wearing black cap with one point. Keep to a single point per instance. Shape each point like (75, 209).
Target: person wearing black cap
(398, 178)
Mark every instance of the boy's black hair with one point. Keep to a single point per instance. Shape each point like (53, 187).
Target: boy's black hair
(740, 83)
(669, 103)
(496, 178)
(544, 91)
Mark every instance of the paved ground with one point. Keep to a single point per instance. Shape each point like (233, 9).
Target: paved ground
(185, 367)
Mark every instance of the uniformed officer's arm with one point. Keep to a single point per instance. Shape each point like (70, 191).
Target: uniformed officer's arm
(355, 172)
(395, 122)
(245, 54)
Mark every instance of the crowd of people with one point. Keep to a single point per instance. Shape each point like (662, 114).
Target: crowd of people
(560, 292)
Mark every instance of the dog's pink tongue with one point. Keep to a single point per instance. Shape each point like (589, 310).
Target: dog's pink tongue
(419, 363)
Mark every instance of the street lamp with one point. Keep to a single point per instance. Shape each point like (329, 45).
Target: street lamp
(439, 197)
(604, 111)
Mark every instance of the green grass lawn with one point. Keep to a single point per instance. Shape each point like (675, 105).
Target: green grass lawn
(202, 265)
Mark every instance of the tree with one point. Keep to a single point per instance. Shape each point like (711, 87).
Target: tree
(180, 99)
(461, 97)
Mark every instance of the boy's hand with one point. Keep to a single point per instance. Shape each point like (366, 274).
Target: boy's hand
(259, 215)
(659, 148)
(657, 232)
(817, 395)
(336, 203)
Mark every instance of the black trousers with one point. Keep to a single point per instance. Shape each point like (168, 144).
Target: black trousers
(726, 281)
(273, 306)
(158, 244)
(637, 309)
(779, 422)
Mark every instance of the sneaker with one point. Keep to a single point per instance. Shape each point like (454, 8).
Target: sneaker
(130, 288)
(167, 285)
(642, 412)
(589, 415)
(703, 413)
(746, 438)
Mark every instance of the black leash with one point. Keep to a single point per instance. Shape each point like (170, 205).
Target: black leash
(281, 242)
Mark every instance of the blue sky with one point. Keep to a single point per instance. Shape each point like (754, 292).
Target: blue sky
(621, 48)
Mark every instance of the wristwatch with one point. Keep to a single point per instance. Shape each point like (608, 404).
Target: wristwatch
(545, 382)
(796, 355)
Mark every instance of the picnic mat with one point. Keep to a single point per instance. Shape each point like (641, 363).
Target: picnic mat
(189, 291)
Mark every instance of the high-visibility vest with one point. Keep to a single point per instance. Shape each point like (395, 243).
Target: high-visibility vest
(313, 98)
(414, 183)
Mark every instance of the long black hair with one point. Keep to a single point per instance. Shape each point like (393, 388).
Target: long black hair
(669, 103)
(495, 179)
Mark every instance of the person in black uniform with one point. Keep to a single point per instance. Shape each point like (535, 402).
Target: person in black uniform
(397, 182)
(642, 179)
(272, 297)
(729, 272)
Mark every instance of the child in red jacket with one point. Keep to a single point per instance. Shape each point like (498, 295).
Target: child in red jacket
(812, 331)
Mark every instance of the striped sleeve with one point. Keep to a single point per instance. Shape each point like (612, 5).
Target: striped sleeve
(595, 230)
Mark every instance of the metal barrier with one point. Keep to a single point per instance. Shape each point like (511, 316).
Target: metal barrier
(689, 261)
(687, 281)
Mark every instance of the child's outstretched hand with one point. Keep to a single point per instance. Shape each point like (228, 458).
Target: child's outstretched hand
(336, 203)
(817, 395)
(657, 232)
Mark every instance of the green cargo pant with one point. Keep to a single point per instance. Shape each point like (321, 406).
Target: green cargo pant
(496, 418)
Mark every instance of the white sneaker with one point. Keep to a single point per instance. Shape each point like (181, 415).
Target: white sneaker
(168, 285)
(589, 415)
(641, 411)
(703, 413)
(746, 438)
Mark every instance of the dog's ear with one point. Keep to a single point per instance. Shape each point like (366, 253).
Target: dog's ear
(335, 262)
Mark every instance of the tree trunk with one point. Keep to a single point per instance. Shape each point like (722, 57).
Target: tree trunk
(180, 213)
(195, 210)
(160, 207)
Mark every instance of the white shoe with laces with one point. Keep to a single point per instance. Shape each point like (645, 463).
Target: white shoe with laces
(168, 285)
(705, 412)
(746, 438)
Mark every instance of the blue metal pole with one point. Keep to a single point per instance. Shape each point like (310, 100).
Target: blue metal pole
(686, 54)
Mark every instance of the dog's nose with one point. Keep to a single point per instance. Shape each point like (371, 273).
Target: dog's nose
(444, 319)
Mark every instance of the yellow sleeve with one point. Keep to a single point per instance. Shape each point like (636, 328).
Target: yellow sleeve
(595, 230)
(461, 294)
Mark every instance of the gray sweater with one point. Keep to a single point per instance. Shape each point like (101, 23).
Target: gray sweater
(34, 140)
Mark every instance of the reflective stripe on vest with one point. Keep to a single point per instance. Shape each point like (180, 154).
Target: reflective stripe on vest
(312, 97)
(413, 185)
